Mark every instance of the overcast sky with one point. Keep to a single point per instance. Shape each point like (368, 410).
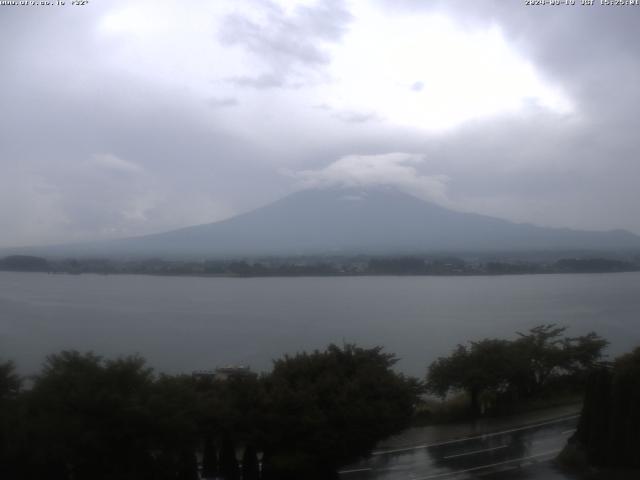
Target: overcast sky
(121, 118)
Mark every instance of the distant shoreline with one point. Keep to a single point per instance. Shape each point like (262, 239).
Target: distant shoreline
(318, 267)
(308, 275)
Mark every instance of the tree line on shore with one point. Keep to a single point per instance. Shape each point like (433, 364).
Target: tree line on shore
(312, 266)
(85, 417)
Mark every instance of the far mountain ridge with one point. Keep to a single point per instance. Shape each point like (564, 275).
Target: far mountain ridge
(372, 221)
(357, 221)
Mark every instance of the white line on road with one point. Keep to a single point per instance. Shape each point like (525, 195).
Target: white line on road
(476, 437)
(406, 449)
(482, 467)
(566, 432)
(402, 468)
(355, 470)
(475, 451)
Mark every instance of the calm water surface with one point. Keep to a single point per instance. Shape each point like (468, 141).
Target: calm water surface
(184, 323)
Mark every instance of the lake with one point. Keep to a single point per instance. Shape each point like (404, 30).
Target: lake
(182, 324)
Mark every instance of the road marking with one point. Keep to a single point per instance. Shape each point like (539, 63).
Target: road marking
(355, 470)
(506, 462)
(566, 432)
(476, 437)
(406, 449)
(475, 451)
(403, 468)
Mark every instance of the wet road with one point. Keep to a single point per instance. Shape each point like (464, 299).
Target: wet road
(518, 452)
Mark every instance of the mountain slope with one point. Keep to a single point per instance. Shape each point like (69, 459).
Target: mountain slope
(363, 221)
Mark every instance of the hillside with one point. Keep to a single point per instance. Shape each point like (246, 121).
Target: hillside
(341, 221)
(355, 221)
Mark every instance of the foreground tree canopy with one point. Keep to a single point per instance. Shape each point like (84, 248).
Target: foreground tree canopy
(493, 371)
(90, 418)
(609, 429)
(85, 417)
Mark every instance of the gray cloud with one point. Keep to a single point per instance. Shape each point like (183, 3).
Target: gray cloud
(103, 136)
(396, 169)
(356, 117)
(288, 45)
(267, 80)
(349, 116)
(215, 102)
(561, 171)
(99, 154)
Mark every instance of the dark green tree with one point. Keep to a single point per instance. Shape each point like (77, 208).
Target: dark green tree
(609, 428)
(11, 417)
(174, 407)
(209, 457)
(88, 417)
(10, 381)
(544, 353)
(250, 464)
(228, 463)
(510, 370)
(479, 368)
(328, 407)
